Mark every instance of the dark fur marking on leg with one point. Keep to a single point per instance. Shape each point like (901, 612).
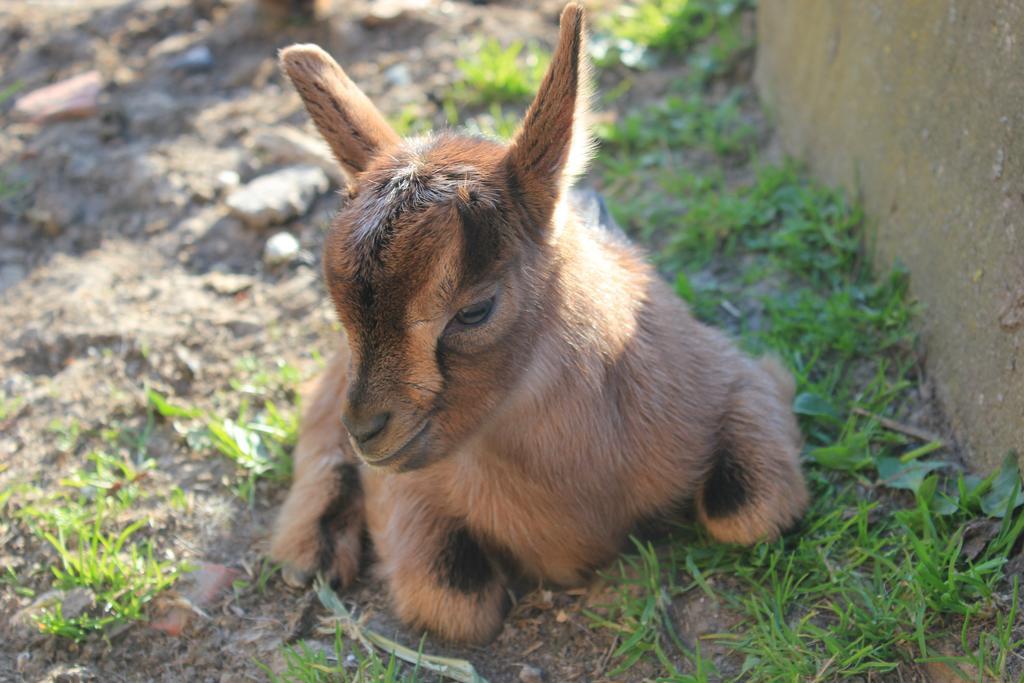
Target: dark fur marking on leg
(462, 564)
(727, 488)
(794, 527)
(339, 514)
(507, 603)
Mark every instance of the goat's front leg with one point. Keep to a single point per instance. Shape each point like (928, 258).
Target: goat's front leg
(320, 527)
(439, 576)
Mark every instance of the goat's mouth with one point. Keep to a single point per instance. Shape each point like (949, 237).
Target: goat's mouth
(405, 453)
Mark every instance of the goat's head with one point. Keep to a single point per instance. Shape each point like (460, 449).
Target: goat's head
(439, 263)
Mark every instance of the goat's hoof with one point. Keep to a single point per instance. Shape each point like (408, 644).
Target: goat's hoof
(295, 577)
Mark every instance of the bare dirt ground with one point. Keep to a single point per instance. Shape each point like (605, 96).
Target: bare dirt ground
(121, 267)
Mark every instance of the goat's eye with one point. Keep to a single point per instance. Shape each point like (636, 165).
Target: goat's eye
(474, 314)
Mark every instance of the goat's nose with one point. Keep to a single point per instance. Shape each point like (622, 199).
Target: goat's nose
(364, 428)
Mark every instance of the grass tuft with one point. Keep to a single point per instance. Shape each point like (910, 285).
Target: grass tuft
(497, 74)
(638, 32)
(103, 562)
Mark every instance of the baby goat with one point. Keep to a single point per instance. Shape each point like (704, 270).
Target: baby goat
(516, 389)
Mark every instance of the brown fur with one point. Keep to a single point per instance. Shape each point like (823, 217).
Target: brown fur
(532, 444)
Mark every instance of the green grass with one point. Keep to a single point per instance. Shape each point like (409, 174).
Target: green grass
(93, 520)
(258, 444)
(497, 122)
(304, 663)
(496, 74)
(100, 546)
(675, 122)
(638, 32)
(123, 575)
(878, 578)
(493, 89)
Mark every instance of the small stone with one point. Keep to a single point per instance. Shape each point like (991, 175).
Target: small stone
(387, 12)
(170, 45)
(277, 197)
(281, 248)
(10, 275)
(73, 673)
(153, 113)
(73, 98)
(229, 179)
(188, 360)
(46, 220)
(72, 603)
(209, 581)
(202, 587)
(531, 674)
(398, 75)
(287, 145)
(193, 60)
(227, 284)
(299, 294)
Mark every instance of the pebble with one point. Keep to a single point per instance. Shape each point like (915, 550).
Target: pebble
(229, 179)
(46, 220)
(281, 248)
(201, 588)
(398, 75)
(291, 146)
(227, 284)
(72, 98)
(387, 12)
(277, 197)
(170, 45)
(73, 602)
(10, 275)
(193, 60)
(530, 674)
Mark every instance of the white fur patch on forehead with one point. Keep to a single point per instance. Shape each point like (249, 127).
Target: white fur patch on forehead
(413, 186)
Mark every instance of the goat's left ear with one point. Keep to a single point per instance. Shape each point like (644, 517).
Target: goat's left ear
(553, 145)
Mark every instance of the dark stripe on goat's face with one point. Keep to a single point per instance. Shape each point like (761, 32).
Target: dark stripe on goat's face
(481, 243)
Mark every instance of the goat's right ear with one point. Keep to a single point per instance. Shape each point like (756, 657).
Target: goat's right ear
(553, 145)
(343, 114)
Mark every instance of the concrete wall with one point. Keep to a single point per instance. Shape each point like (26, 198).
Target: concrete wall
(917, 107)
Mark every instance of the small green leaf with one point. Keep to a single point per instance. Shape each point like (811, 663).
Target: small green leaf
(841, 457)
(938, 502)
(813, 405)
(1005, 486)
(921, 451)
(895, 474)
(684, 288)
(168, 409)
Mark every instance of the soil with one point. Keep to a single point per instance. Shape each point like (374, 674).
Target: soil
(122, 268)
